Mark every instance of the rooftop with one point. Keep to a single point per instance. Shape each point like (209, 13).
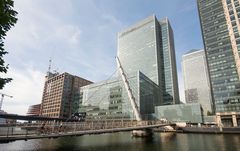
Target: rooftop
(193, 50)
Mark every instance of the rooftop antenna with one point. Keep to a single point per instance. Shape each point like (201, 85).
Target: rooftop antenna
(49, 69)
(50, 65)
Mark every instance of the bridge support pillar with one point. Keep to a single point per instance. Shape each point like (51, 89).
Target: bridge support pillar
(142, 133)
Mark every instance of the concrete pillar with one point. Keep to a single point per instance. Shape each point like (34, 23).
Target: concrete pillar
(53, 125)
(219, 121)
(234, 120)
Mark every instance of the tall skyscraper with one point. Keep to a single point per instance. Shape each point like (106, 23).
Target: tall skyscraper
(168, 61)
(220, 23)
(146, 53)
(61, 94)
(196, 79)
(148, 47)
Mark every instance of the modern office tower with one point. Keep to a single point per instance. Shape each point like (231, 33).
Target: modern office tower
(220, 23)
(148, 47)
(169, 69)
(61, 94)
(146, 53)
(196, 79)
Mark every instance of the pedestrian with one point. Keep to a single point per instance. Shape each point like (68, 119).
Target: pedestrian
(60, 127)
(43, 127)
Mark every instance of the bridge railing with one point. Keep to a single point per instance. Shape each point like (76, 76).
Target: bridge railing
(45, 128)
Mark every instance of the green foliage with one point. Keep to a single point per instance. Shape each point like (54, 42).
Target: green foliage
(7, 20)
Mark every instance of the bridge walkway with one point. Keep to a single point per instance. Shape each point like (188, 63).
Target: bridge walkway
(54, 130)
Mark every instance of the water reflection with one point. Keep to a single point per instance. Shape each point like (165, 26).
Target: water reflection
(166, 137)
(124, 141)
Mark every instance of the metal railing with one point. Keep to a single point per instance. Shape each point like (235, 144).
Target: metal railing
(58, 128)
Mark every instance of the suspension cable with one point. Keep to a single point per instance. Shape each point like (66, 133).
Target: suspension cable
(101, 85)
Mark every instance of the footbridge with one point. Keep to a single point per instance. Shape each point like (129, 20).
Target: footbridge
(46, 127)
(13, 132)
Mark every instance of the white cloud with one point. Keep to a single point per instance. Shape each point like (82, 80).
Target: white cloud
(44, 31)
(112, 19)
(68, 33)
(26, 89)
(80, 38)
(38, 27)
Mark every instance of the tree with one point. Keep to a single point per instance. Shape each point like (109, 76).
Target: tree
(7, 20)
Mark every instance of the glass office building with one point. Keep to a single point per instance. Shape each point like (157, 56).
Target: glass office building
(148, 47)
(168, 61)
(190, 113)
(220, 23)
(109, 99)
(196, 80)
(146, 53)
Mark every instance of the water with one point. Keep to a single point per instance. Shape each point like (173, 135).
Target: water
(124, 142)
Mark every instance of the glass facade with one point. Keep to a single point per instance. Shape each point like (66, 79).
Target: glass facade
(191, 113)
(146, 53)
(148, 47)
(168, 64)
(149, 96)
(196, 80)
(109, 99)
(220, 29)
(137, 49)
(115, 100)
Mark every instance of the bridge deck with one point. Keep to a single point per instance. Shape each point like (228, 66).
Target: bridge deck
(74, 130)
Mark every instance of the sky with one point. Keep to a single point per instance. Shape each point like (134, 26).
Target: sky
(81, 38)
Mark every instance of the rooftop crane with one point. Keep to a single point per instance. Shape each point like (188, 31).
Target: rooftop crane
(1, 101)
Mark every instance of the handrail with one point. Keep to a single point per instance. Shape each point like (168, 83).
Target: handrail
(38, 129)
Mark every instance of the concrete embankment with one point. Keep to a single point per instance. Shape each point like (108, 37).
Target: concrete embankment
(215, 130)
(209, 130)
